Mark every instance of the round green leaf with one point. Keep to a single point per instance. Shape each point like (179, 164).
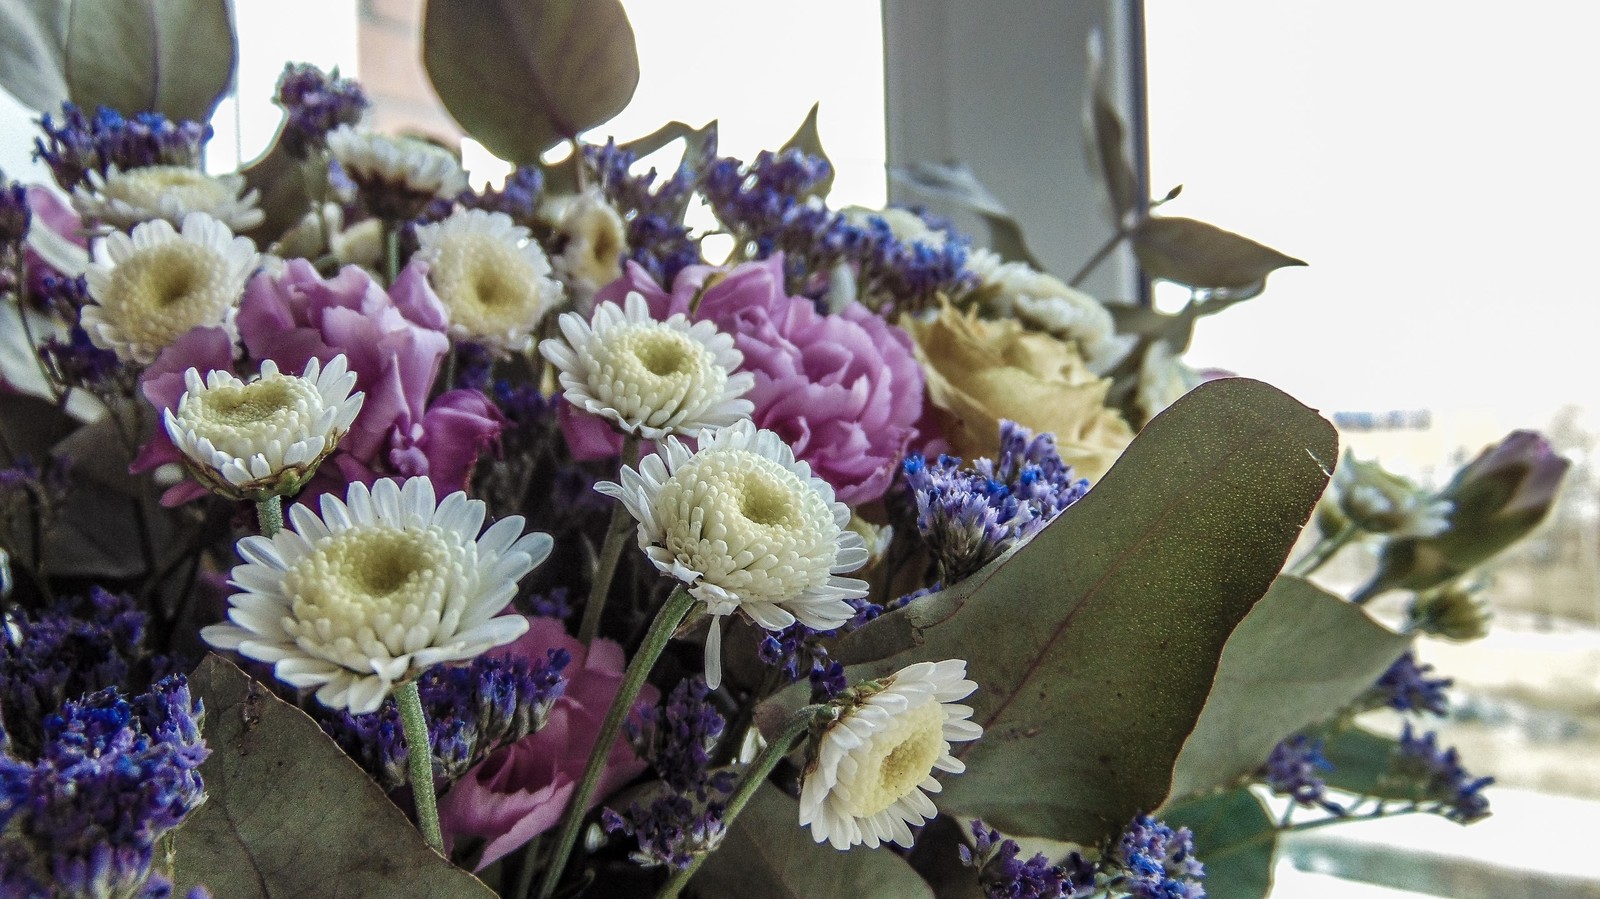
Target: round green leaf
(520, 75)
(1196, 254)
(1234, 838)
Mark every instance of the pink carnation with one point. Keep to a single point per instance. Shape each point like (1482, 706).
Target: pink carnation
(522, 790)
(844, 390)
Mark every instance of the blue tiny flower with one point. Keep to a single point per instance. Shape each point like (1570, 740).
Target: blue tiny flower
(1440, 778)
(1157, 862)
(316, 103)
(1003, 877)
(76, 145)
(1407, 687)
(1292, 769)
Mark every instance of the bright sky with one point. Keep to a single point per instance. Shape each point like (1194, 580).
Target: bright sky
(1429, 159)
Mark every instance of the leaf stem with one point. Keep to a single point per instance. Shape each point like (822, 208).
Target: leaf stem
(391, 251)
(655, 641)
(610, 553)
(419, 763)
(796, 727)
(269, 514)
(1325, 549)
(1099, 256)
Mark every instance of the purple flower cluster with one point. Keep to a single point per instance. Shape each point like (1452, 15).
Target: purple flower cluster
(969, 517)
(1003, 877)
(76, 361)
(769, 205)
(657, 238)
(1440, 778)
(114, 776)
(77, 144)
(1406, 687)
(15, 215)
(517, 197)
(799, 651)
(76, 646)
(1292, 769)
(684, 819)
(472, 710)
(316, 103)
(1157, 862)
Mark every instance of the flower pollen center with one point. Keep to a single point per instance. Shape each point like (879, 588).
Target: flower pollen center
(252, 403)
(490, 287)
(767, 500)
(144, 187)
(666, 353)
(162, 292)
(895, 762)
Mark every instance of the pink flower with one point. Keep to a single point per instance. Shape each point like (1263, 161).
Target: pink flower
(522, 790)
(844, 390)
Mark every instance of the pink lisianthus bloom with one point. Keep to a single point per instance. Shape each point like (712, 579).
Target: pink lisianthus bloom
(522, 790)
(844, 390)
(45, 253)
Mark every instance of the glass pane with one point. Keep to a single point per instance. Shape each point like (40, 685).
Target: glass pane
(1431, 163)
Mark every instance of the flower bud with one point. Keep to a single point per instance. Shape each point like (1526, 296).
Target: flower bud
(15, 214)
(1381, 502)
(1455, 612)
(1498, 498)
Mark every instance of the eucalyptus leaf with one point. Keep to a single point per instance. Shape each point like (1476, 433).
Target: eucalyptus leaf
(767, 853)
(1106, 137)
(955, 183)
(33, 52)
(175, 57)
(289, 816)
(1235, 838)
(1300, 657)
(1196, 254)
(1094, 645)
(1360, 760)
(520, 75)
(280, 180)
(807, 140)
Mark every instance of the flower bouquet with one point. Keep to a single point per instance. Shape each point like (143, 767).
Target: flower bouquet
(368, 534)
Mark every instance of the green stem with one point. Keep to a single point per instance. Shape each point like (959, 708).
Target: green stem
(610, 552)
(20, 273)
(1098, 257)
(269, 514)
(655, 641)
(796, 727)
(580, 177)
(391, 251)
(419, 762)
(1325, 549)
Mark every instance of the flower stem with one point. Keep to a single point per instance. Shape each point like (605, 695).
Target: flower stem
(655, 641)
(610, 553)
(1098, 257)
(1324, 550)
(419, 762)
(391, 251)
(796, 727)
(269, 513)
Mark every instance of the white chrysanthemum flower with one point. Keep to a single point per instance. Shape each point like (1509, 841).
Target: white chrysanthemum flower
(873, 768)
(169, 192)
(397, 175)
(155, 285)
(249, 440)
(491, 275)
(651, 378)
(748, 528)
(377, 590)
(1047, 303)
(1381, 502)
(595, 240)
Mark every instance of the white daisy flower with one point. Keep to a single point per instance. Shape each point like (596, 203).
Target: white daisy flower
(651, 378)
(265, 437)
(155, 285)
(748, 528)
(169, 192)
(872, 770)
(594, 240)
(490, 274)
(396, 175)
(377, 590)
(1381, 502)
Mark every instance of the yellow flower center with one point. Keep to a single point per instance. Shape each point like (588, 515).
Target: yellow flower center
(376, 592)
(749, 525)
(650, 373)
(162, 292)
(893, 762)
(241, 419)
(144, 188)
(490, 287)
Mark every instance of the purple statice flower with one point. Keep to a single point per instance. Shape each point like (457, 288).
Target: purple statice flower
(315, 103)
(1442, 783)
(15, 215)
(77, 144)
(77, 362)
(517, 197)
(78, 645)
(1003, 877)
(653, 213)
(1153, 861)
(472, 710)
(969, 517)
(1292, 769)
(554, 604)
(474, 363)
(801, 651)
(683, 819)
(115, 775)
(1407, 687)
